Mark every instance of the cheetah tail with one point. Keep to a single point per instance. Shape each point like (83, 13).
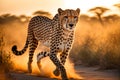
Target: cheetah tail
(16, 52)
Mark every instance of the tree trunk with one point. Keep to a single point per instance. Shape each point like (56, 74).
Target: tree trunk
(100, 19)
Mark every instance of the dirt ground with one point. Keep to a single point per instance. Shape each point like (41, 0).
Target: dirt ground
(88, 73)
(93, 73)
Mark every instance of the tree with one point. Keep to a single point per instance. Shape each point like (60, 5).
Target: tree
(99, 11)
(6, 18)
(117, 5)
(42, 13)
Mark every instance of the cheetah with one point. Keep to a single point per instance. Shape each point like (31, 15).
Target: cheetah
(57, 34)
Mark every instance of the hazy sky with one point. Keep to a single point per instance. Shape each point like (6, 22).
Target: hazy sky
(29, 6)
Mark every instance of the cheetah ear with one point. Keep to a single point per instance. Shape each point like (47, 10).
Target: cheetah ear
(78, 10)
(60, 11)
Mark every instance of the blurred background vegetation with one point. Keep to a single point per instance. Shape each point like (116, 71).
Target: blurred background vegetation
(97, 38)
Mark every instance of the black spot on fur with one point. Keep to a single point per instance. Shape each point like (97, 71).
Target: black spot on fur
(57, 48)
(30, 54)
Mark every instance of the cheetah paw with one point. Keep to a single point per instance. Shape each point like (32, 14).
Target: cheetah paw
(56, 72)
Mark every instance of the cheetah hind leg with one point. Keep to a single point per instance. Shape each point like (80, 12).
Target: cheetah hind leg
(29, 67)
(39, 57)
(31, 53)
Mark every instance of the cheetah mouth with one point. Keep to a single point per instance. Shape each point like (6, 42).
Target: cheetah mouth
(71, 28)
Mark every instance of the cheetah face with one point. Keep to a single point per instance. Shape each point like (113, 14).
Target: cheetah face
(68, 18)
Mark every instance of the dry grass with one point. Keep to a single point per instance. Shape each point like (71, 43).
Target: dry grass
(5, 57)
(98, 45)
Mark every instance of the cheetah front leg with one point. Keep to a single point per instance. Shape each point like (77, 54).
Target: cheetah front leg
(64, 54)
(63, 57)
(56, 61)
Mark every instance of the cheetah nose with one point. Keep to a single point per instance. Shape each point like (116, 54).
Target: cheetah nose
(71, 25)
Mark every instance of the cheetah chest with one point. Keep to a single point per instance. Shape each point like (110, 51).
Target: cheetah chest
(64, 46)
(66, 43)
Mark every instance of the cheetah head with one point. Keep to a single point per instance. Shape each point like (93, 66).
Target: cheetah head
(68, 18)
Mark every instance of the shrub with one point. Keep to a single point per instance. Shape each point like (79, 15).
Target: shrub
(5, 58)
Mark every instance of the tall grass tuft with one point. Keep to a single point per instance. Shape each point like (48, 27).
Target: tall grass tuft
(5, 57)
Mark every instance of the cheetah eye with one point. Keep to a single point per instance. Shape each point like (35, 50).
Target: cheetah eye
(75, 17)
(66, 17)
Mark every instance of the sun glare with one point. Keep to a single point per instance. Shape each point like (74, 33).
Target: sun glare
(72, 3)
(51, 6)
(85, 5)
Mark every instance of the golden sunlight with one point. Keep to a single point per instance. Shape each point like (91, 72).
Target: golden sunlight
(96, 47)
(50, 6)
(85, 5)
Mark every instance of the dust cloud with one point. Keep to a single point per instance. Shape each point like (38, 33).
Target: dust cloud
(47, 67)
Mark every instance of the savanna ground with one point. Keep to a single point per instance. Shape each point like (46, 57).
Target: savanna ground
(95, 54)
